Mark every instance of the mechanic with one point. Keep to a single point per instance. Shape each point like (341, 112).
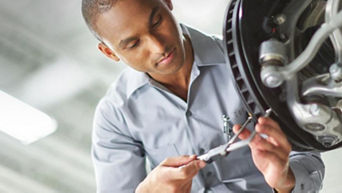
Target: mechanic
(167, 106)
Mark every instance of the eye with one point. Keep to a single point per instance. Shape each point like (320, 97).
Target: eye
(157, 21)
(133, 44)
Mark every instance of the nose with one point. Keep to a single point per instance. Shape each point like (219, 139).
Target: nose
(156, 44)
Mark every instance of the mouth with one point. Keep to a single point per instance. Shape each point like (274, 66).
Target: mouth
(168, 58)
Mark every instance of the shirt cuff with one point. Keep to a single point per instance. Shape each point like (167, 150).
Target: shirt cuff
(301, 176)
(305, 181)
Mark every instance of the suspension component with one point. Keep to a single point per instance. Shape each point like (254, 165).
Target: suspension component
(272, 54)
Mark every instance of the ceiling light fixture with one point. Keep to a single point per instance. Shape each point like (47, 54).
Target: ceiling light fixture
(22, 121)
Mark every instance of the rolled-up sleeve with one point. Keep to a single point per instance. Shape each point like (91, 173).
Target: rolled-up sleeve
(118, 159)
(308, 169)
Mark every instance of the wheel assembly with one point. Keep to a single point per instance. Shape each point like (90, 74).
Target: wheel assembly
(287, 55)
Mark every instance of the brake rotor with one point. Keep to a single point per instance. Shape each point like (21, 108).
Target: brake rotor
(247, 25)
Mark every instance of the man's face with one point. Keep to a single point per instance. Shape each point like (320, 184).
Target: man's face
(144, 34)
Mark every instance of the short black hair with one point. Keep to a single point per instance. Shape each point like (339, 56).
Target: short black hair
(91, 9)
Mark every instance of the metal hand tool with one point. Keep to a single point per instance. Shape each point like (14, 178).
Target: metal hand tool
(224, 149)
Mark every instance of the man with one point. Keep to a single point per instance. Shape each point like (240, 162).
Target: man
(169, 104)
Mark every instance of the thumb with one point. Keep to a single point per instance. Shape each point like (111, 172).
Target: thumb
(185, 172)
(178, 161)
(193, 167)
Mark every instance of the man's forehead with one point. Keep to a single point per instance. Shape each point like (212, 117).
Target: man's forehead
(129, 10)
(125, 16)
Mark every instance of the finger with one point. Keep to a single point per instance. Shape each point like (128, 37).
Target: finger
(273, 165)
(270, 122)
(187, 172)
(244, 134)
(278, 138)
(178, 161)
(270, 156)
(279, 168)
(261, 144)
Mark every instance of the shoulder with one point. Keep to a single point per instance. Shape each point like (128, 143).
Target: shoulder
(208, 49)
(118, 96)
(117, 91)
(202, 37)
(115, 97)
(125, 85)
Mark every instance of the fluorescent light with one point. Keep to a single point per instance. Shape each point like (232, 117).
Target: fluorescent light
(74, 80)
(22, 121)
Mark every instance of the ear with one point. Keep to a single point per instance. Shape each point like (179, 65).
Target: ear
(169, 4)
(108, 52)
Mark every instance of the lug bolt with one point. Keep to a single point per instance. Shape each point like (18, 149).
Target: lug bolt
(280, 19)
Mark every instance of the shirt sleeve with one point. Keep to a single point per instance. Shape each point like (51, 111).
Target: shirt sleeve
(308, 169)
(118, 159)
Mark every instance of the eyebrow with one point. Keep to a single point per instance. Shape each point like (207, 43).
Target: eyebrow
(126, 41)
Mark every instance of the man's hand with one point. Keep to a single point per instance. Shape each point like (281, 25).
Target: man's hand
(271, 155)
(173, 175)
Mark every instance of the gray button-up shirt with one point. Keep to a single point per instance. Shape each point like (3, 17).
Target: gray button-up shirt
(141, 118)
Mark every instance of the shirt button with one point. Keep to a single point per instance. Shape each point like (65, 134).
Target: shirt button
(209, 174)
(188, 113)
(201, 151)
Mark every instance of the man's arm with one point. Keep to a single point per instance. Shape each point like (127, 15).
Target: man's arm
(118, 159)
(173, 175)
(271, 156)
(120, 162)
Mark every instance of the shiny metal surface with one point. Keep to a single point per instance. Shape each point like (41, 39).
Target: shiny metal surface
(50, 60)
(291, 69)
(322, 85)
(320, 118)
(332, 8)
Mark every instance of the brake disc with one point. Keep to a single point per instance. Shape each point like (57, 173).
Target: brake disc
(264, 38)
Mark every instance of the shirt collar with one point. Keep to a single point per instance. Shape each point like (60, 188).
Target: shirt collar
(136, 80)
(207, 52)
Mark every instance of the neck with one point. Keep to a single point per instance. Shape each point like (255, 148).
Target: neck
(182, 76)
(178, 82)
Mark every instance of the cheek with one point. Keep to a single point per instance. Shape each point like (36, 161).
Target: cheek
(169, 28)
(173, 27)
(138, 60)
(173, 33)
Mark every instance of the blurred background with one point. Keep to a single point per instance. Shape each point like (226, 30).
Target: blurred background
(49, 60)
